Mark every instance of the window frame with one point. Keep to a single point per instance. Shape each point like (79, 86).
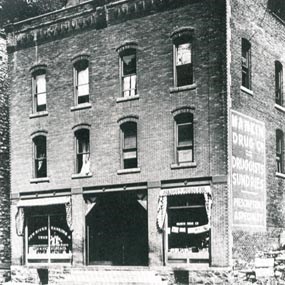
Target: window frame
(184, 35)
(279, 155)
(189, 146)
(279, 100)
(37, 71)
(78, 171)
(246, 69)
(123, 127)
(35, 156)
(48, 256)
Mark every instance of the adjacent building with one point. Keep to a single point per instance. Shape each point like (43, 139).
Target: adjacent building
(4, 165)
(146, 133)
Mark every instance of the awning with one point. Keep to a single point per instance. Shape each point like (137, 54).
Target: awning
(20, 215)
(43, 201)
(162, 200)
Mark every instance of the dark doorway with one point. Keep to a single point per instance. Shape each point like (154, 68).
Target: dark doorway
(117, 230)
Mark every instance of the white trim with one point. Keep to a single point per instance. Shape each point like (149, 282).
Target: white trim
(279, 107)
(79, 175)
(81, 106)
(183, 88)
(39, 180)
(39, 114)
(123, 99)
(246, 90)
(280, 175)
(128, 171)
(183, 165)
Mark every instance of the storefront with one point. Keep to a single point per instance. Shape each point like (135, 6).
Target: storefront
(45, 225)
(184, 215)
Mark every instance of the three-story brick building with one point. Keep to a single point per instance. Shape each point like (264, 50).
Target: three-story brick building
(143, 133)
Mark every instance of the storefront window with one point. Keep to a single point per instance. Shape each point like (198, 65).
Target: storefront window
(48, 236)
(188, 229)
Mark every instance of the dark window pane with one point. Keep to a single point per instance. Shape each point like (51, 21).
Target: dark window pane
(184, 74)
(82, 152)
(129, 64)
(246, 62)
(185, 134)
(40, 157)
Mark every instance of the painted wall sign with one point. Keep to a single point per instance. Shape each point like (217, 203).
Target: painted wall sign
(248, 172)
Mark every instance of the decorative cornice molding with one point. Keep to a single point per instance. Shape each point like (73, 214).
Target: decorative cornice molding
(87, 15)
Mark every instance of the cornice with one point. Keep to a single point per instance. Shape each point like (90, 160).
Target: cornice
(87, 15)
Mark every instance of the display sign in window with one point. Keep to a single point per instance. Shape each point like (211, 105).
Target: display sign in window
(49, 239)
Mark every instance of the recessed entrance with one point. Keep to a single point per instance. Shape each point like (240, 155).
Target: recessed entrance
(117, 229)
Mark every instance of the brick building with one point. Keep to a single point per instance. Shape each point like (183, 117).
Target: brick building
(4, 165)
(123, 124)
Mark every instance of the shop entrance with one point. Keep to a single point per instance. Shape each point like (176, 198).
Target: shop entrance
(117, 229)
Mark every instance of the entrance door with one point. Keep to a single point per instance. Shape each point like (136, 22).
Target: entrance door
(117, 230)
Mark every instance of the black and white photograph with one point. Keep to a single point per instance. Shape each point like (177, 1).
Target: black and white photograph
(142, 142)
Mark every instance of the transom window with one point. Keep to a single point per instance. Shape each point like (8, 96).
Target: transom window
(39, 90)
(40, 156)
(184, 137)
(279, 151)
(81, 72)
(278, 83)
(128, 64)
(246, 63)
(129, 145)
(82, 152)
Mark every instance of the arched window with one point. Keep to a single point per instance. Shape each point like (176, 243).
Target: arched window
(129, 145)
(82, 151)
(183, 58)
(184, 140)
(81, 79)
(278, 83)
(40, 156)
(39, 88)
(279, 151)
(128, 69)
(246, 63)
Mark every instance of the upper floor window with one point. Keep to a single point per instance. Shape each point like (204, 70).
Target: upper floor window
(81, 81)
(278, 83)
(40, 156)
(128, 66)
(82, 151)
(279, 151)
(184, 138)
(183, 62)
(129, 145)
(246, 63)
(39, 90)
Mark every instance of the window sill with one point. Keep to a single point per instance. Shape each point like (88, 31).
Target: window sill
(183, 165)
(280, 175)
(129, 171)
(39, 114)
(123, 99)
(79, 176)
(81, 107)
(182, 88)
(280, 108)
(39, 180)
(246, 90)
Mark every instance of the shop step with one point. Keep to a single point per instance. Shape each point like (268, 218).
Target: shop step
(124, 277)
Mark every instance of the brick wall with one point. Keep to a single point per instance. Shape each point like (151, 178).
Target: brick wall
(4, 161)
(151, 29)
(252, 21)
